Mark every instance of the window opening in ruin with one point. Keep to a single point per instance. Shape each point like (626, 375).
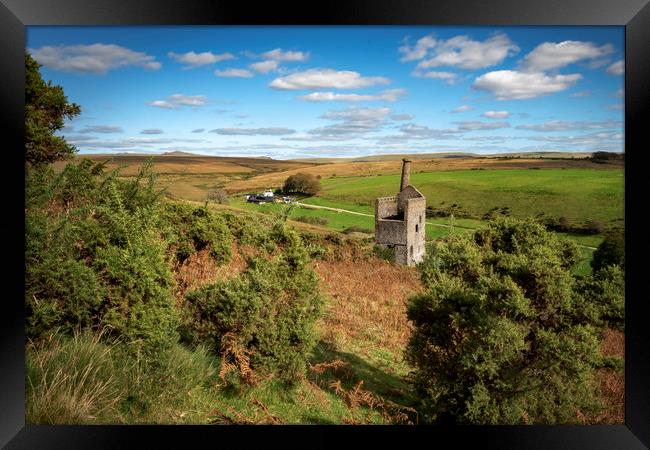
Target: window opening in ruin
(411, 251)
(416, 228)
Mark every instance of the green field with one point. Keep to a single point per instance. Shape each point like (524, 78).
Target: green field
(578, 194)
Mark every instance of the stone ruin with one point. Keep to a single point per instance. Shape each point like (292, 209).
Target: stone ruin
(400, 221)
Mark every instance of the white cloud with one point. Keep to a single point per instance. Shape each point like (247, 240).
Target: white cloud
(95, 58)
(192, 59)
(400, 117)
(475, 126)
(460, 51)
(177, 100)
(615, 107)
(279, 55)
(152, 131)
(419, 50)
(449, 77)
(350, 123)
(581, 94)
(620, 93)
(462, 109)
(253, 131)
(553, 55)
(618, 68)
(326, 79)
(198, 130)
(496, 114)
(234, 73)
(101, 129)
(563, 125)
(390, 95)
(265, 66)
(420, 132)
(514, 85)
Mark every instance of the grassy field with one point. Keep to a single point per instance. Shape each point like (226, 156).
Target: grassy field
(578, 194)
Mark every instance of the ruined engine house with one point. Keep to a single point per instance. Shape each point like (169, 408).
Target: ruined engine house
(400, 221)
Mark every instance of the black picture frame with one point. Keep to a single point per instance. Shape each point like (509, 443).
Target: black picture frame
(15, 15)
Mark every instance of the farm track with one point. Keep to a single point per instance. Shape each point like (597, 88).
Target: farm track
(305, 205)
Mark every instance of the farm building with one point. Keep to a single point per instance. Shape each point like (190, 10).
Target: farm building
(400, 221)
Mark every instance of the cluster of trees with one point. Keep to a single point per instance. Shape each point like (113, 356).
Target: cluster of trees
(504, 334)
(302, 183)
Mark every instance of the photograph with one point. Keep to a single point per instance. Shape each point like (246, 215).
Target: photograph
(365, 225)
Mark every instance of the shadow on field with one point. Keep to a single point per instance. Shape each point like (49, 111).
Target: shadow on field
(354, 369)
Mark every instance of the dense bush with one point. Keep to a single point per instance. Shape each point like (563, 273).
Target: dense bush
(610, 252)
(267, 314)
(302, 183)
(191, 229)
(500, 334)
(94, 256)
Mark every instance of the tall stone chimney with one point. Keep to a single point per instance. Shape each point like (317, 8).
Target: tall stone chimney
(406, 174)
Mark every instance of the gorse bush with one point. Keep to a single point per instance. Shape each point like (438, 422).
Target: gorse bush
(94, 256)
(192, 229)
(265, 318)
(500, 334)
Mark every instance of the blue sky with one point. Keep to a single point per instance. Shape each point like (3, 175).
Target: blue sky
(293, 92)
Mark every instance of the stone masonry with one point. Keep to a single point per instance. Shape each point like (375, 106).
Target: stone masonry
(400, 221)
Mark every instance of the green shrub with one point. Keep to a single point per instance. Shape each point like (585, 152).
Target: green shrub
(192, 229)
(385, 253)
(603, 296)
(270, 309)
(94, 256)
(610, 252)
(500, 335)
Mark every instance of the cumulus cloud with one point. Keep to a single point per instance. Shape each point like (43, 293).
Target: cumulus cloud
(515, 85)
(178, 100)
(279, 55)
(233, 73)
(563, 125)
(462, 109)
(95, 58)
(618, 68)
(390, 95)
(326, 79)
(152, 131)
(101, 129)
(449, 77)
(553, 55)
(459, 51)
(253, 131)
(192, 59)
(265, 66)
(419, 50)
(475, 126)
(496, 114)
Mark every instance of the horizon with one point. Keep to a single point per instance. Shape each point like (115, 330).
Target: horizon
(338, 92)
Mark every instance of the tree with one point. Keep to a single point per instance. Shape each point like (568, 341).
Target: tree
(610, 252)
(302, 183)
(218, 196)
(500, 334)
(46, 107)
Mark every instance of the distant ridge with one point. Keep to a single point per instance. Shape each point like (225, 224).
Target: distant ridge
(179, 153)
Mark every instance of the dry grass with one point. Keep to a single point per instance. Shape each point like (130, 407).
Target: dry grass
(200, 269)
(612, 382)
(369, 301)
